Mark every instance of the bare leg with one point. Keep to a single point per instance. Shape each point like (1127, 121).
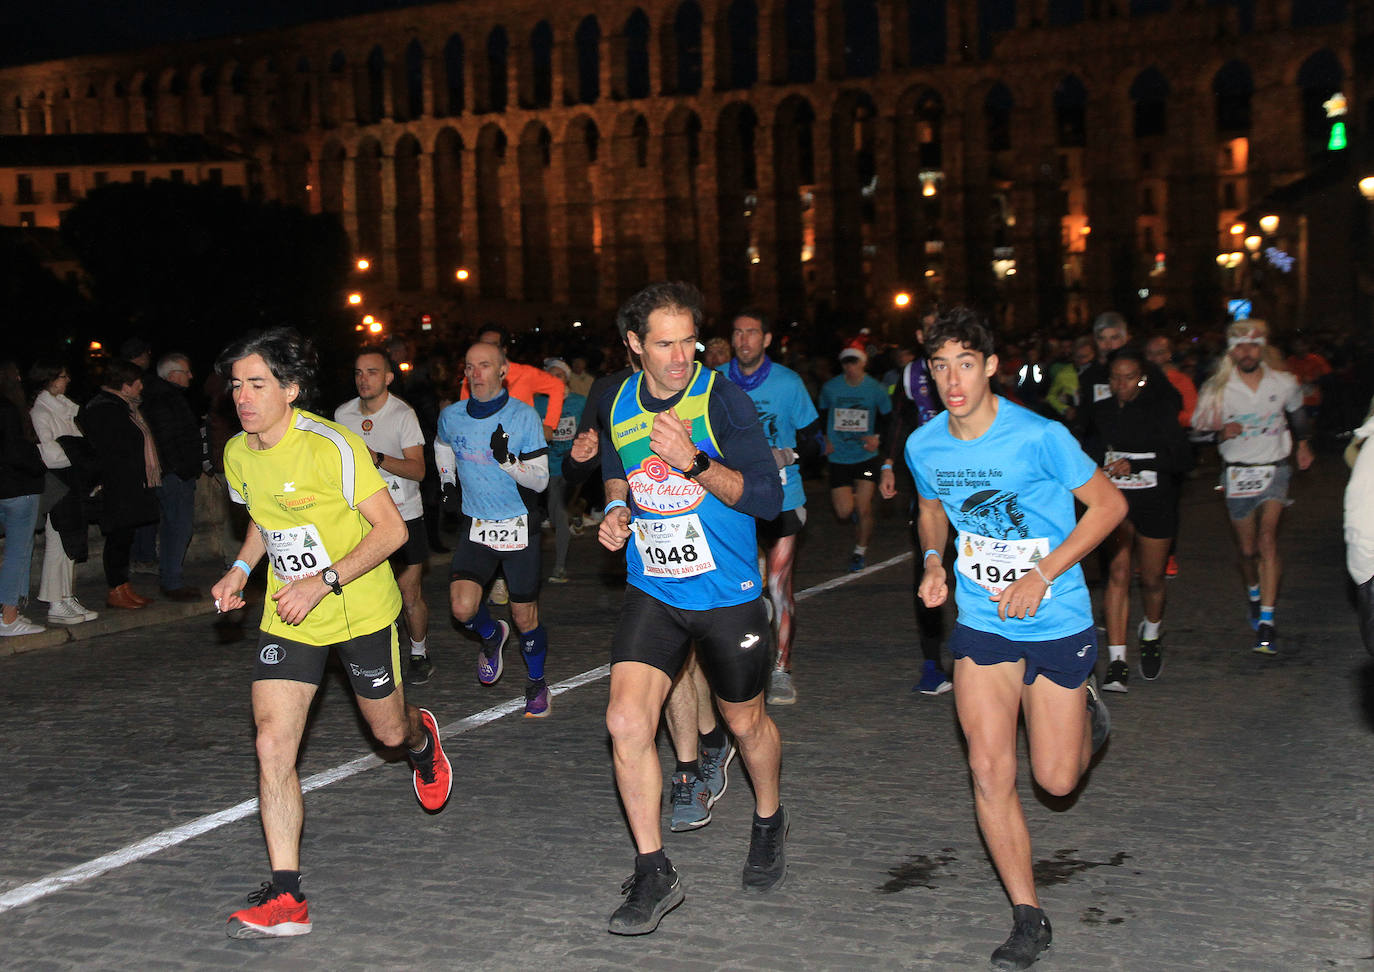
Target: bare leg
(1152, 554)
(1116, 602)
(280, 708)
(760, 745)
(413, 605)
(637, 694)
(863, 502)
(779, 575)
(681, 712)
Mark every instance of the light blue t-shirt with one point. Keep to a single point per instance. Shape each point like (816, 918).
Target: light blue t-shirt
(1008, 494)
(489, 493)
(852, 414)
(784, 406)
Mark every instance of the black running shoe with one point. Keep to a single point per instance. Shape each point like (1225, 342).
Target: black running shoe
(1030, 935)
(420, 670)
(1151, 659)
(648, 898)
(1265, 638)
(766, 866)
(1118, 673)
(1098, 716)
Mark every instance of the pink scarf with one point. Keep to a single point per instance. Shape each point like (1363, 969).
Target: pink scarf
(152, 467)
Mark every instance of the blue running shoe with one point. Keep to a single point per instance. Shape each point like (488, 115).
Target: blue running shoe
(933, 679)
(690, 807)
(856, 562)
(489, 660)
(715, 764)
(536, 699)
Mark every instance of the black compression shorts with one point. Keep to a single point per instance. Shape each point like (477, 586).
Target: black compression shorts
(372, 661)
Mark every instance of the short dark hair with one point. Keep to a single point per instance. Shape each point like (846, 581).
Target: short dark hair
(290, 357)
(1128, 353)
(380, 352)
(498, 330)
(676, 295)
(44, 372)
(754, 314)
(119, 373)
(963, 325)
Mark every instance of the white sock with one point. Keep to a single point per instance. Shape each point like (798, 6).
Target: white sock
(419, 648)
(1116, 652)
(1150, 630)
(860, 550)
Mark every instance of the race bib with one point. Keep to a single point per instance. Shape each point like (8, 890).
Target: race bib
(674, 547)
(1101, 391)
(297, 552)
(1136, 479)
(993, 564)
(566, 429)
(851, 420)
(511, 534)
(1243, 481)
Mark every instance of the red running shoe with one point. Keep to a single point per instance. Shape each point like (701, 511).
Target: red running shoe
(433, 782)
(1171, 568)
(275, 914)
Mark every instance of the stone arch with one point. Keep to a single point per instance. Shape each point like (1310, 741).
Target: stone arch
(413, 106)
(794, 178)
(145, 86)
(629, 159)
(372, 107)
(737, 46)
(367, 190)
(587, 42)
(333, 158)
(1232, 88)
(680, 49)
(453, 75)
(291, 172)
(798, 37)
(681, 157)
(409, 249)
(926, 37)
(581, 153)
(857, 35)
(336, 85)
(737, 182)
(447, 161)
(491, 227)
(1150, 102)
(853, 138)
(997, 109)
(533, 159)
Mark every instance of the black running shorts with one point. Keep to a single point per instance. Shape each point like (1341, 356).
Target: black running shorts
(477, 563)
(373, 661)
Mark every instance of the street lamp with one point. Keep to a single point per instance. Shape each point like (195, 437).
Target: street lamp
(1268, 224)
(901, 300)
(1367, 187)
(461, 274)
(355, 298)
(363, 263)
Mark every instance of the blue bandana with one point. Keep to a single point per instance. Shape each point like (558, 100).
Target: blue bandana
(749, 382)
(480, 410)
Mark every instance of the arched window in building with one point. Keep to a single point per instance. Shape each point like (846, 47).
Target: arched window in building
(588, 43)
(637, 55)
(491, 221)
(535, 238)
(1150, 95)
(1070, 113)
(582, 217)
(799, 29)
(375, 107)
(736, 182)
(682, 50)
(741, 46)
(1232, 87)
(447, 171)
(453, 75)
(367, 203)
(541, 65)
(853, 144)
(794, 177)
(861, 58)
(1062, 13)
(680, 157)
(640, 135)
(997, 108)
(926, 32)
(333, 158)
(1319, 79)
(415, 79)
(498, 50)
(406, 166)
(303, 94)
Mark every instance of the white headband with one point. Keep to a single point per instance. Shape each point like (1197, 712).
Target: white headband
(1240, 339)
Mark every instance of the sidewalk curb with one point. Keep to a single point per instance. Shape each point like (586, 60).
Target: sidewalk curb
(109, 622)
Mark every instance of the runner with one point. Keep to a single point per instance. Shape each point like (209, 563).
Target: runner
(325, 521)
(852, 403)
(1256, 409)
(1024, 643)
(502, 464)
(1138, 443)
(685, 447)
(790, 423)
(391, 430)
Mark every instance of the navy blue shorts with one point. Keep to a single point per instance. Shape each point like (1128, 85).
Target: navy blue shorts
(1064, 661)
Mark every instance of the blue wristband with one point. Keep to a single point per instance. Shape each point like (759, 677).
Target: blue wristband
(926, 556)
(613, 504)
(242, 565)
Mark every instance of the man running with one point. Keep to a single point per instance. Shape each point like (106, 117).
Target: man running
(324, 519)
(496, 447)
(1024, 643)
(790, 423)
(1257, 412)
(852, 402)
(391, 430)
(684, 446)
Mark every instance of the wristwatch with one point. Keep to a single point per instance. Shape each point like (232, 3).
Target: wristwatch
(330, 576)
(699, 465)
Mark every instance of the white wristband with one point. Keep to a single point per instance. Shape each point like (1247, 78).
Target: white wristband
(1048, 582)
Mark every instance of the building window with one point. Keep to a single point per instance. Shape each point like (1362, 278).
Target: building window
(23, 190)
(215, 177)
(62, 189)
(138, 177)
(100, 178)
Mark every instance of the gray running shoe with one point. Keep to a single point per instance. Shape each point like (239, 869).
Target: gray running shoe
(715, 765)
(781, 691)
(691, 806)
(1098, 716)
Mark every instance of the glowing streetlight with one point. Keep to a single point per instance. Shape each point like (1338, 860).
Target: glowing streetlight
(96, 346)
(902, 299)
(1223, 259)
(1237, 229)
(375, 327)
(1269, 223)
(461, 274)
(1252, 243)
(355, 298)
(1367, 187)
(363, 263)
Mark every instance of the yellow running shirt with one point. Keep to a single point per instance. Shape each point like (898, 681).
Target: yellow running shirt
(303, 494)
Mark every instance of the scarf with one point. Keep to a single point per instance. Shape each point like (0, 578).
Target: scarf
(152, 469)
(749, 382)
(480, 410)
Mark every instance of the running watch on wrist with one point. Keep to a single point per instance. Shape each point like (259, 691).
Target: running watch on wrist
(330, 576)
(699, 465)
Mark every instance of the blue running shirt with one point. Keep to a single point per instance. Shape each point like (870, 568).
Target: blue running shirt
(784, 406)
(490, 493)
(851, 414)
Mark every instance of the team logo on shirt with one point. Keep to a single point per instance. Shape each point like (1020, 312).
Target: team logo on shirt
(659, 488)
(994, 513)
(367, 425)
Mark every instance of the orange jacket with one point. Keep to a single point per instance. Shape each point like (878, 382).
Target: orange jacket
(525, 381)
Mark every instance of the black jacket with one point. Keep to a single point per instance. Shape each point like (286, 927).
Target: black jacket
(21, 467)
(118, 443)
(176, 430)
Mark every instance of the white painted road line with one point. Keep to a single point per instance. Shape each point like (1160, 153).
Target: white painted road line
(60, 880)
